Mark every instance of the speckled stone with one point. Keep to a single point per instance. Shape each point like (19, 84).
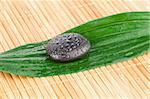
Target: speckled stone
(66, 47)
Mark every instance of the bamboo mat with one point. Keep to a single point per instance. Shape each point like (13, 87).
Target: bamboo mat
(28, 21)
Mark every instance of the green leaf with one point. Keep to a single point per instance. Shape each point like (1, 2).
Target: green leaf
(114, 38)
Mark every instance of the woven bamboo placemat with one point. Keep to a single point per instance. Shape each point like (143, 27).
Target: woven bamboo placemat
(28, 21)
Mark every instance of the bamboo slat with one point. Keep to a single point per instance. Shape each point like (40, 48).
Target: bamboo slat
(28, 21)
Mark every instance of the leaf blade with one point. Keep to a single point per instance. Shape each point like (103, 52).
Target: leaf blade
(113, 38)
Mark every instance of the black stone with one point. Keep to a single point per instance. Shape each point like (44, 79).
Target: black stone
(66, 47)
